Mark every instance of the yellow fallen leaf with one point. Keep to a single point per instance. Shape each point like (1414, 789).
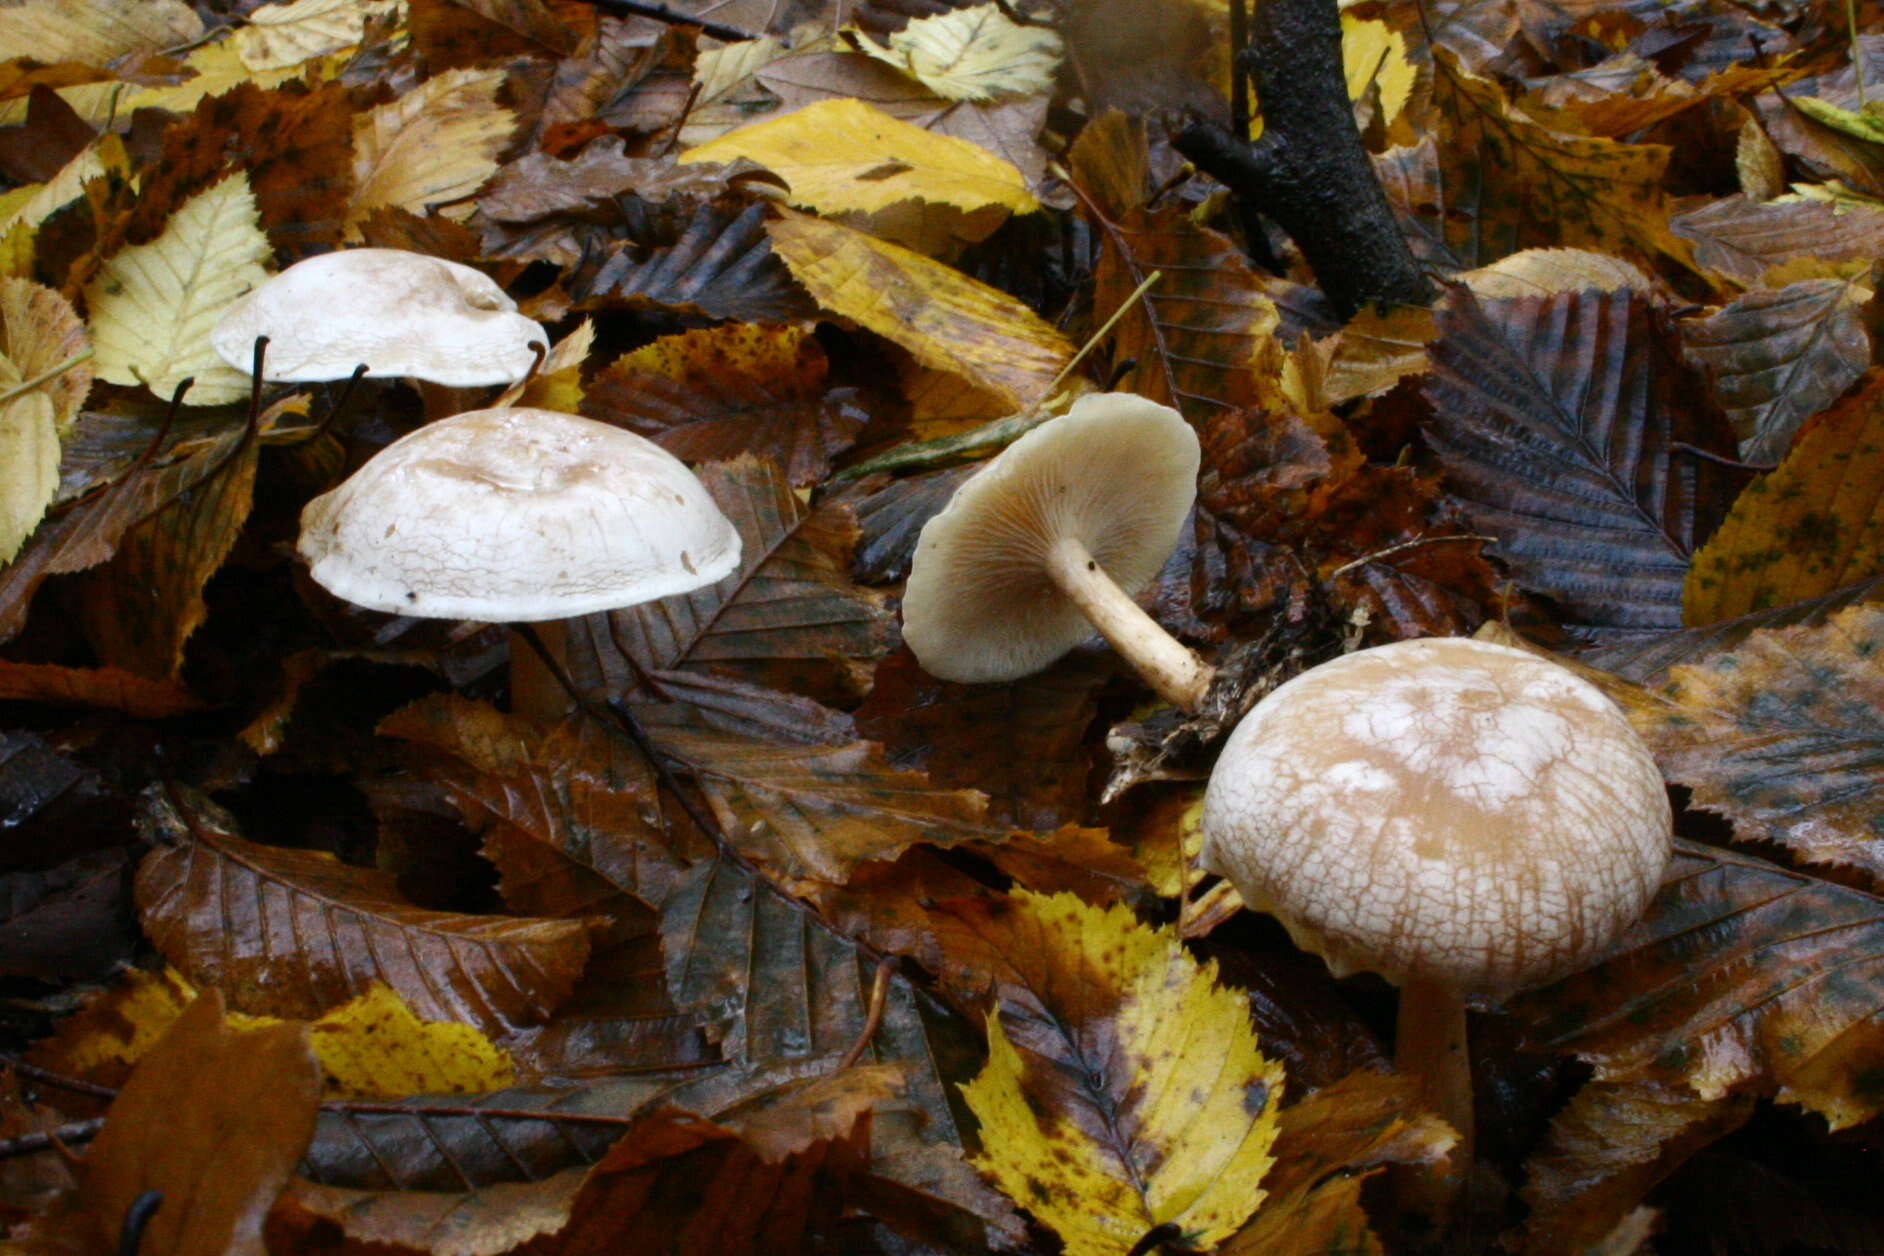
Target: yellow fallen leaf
(216, 68)
(433, 146)
(41, 335)
(971, 54)
(29, 458)
(371, 1047)
(945, 319)
(843, 155)
(285, 34)
(153, 305)
(557, 385)
(1373, 56)
(97, 103)
(1152, 1106)
(95, 32)
(36, 202)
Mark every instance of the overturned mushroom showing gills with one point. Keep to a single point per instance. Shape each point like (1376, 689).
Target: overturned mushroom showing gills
(1465, 819)
(1049, 541)
(398, 313)
(517, 515)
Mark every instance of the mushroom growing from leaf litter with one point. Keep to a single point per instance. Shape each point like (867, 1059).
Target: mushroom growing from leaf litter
(397, 313)
(1465, 819)
(1048, 542)
(517, 515)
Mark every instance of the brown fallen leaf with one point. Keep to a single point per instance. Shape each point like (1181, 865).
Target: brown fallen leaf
(212, 1121)
(293, 933)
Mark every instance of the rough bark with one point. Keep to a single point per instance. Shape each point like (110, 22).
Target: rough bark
(1309, 171)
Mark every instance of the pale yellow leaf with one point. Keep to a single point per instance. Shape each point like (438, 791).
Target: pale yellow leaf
(285, 34)
(29, 460)
(433, 146)
(843, 155)
(557, 384)
(972, 54)
(94, 32)
(1548, 272)
(720, 70)
(945, 319)
(1373, 55)
(96, 103)
(216, 69)
(34, 203)
(41, 335)
(153, 305)
(1145, 1100)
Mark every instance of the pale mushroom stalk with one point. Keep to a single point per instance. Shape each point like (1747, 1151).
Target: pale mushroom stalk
(1431, 1047)
(1175, 673)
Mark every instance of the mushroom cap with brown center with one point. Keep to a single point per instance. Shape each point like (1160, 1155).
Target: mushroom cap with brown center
(1116, 472)
(1443, 810)
(400, 313)
(516, 515)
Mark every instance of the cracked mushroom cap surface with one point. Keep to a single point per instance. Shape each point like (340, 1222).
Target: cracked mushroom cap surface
(516, 515)
(1117, 472)
(402, 314)
(1442, 810)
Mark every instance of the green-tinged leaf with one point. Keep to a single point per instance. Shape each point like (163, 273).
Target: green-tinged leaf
(976, 53)
(153, 305)
(1814, 525)
(1123, 1089)
(1785, 737)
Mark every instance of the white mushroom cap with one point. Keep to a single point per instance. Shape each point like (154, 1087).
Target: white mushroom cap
(1116, 473)
(1445, 811)
(515, 515)
(403, 314)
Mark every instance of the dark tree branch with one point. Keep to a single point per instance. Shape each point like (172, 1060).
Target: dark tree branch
(1309, 171)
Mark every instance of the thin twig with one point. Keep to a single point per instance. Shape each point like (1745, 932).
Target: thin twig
(879, 994)
(1415, 543)
(70, 1134)
(661, 13)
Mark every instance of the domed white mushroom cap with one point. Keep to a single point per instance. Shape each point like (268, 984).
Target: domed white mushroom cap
(402, 314)
(1116, 473)
(516, 515)
(1444, 810)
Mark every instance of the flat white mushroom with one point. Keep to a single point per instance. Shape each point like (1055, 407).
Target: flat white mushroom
(1049, 541)
(1464, 818)
(398, 313)
(517, 515)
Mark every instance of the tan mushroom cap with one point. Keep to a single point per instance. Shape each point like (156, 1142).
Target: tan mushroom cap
(403, 314)
(1444, 810)
(1116, 472)
(516, 515)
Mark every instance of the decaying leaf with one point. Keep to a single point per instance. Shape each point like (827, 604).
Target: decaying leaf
(431, 148)
(95, 32)
(152, 305)
(289, 32)
(1123, 1088)
(1778, 356)
(1814, 525)
(1784, 735)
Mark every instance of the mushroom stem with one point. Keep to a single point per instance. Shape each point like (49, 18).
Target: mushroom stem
(1178, 676)
(1430, 1047)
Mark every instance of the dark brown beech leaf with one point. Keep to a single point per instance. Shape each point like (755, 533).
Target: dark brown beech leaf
(1779, 356)
(970, 735)
(712, 259)
(73, 920)
(1742, 976)
(713, 394)
(809, 810)
(1555, 419)
(1607, 1149)
(788, 618)
(891, 519)
(292, 933)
